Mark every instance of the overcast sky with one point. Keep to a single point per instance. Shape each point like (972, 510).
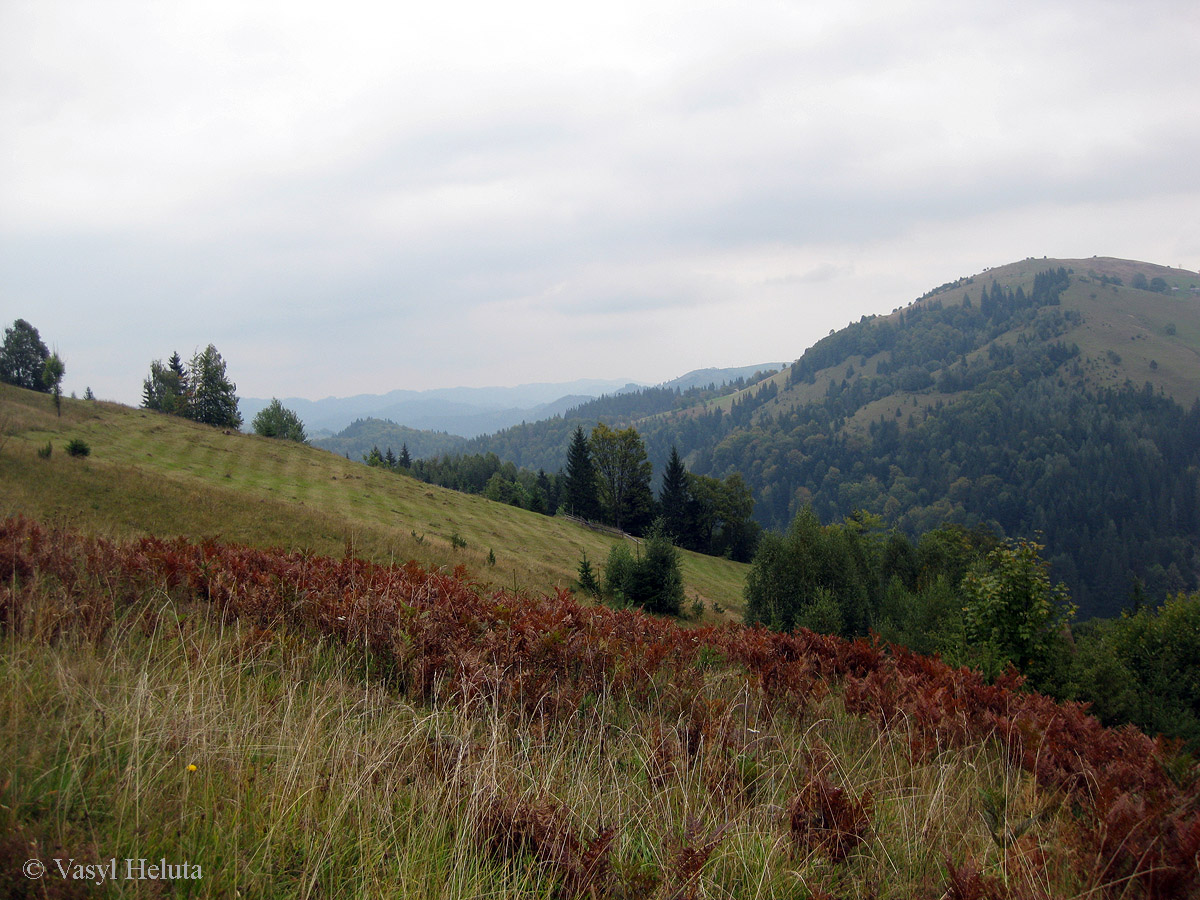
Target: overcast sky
(355, 197)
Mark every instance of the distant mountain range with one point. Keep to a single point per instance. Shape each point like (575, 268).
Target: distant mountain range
(468, 412)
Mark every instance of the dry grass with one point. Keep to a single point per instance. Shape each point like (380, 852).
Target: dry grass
(313, 779)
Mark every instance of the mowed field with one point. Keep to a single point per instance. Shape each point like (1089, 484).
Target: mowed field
(148, 473)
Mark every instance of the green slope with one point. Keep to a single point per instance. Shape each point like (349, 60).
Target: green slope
(1126, 333)
(156, 474)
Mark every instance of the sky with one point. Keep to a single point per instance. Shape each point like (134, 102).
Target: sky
(363, 196)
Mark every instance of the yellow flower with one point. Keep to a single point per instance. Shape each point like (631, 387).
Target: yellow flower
(191, 767)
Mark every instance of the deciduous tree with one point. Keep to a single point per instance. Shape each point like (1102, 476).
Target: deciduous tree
(1012, 613)
(52, 376)
(624, 474)
(23, 357)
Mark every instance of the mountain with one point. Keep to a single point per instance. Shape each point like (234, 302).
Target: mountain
(460, 411)
(698, 378)
(434, 423)
(1045, 397)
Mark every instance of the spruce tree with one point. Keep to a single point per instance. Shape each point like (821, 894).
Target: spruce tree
(673, 498)
(581, 489)
(212, 399)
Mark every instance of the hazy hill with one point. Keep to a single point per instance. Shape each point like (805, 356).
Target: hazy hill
(383, 432)
(460, 411)
(360, 436)
(1051, 396)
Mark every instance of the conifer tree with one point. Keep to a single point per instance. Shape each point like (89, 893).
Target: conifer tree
(674, 498)
(581, 491)
(277, 421)
(165, 389)
(212, 399)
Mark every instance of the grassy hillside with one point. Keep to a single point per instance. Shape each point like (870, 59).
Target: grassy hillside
(155, 474)
(296, 727)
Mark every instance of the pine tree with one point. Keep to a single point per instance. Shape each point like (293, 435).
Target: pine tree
(212, 399)
(581, 493)
(405, 460)
(165, 388)
(277, 421)
(673, 499)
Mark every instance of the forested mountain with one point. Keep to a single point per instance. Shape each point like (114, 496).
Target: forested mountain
(1051, 396)
(357, 440)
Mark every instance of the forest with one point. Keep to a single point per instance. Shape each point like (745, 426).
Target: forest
(977, 600)
(970, 408)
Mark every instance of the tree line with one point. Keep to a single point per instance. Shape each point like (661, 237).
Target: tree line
(202, 391)
(978, 600)
(606, 478)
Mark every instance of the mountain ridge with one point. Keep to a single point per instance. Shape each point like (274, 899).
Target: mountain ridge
(473, 411)
(1048, 396)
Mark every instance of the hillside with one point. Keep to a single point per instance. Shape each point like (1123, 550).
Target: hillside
(1052, 396)
(154, 474)
(290, 726)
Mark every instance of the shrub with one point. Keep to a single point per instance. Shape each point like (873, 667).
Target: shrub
(44, 452)
(653, 581)
(78, 447)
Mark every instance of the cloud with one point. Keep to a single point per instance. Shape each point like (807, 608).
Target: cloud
(380, 195)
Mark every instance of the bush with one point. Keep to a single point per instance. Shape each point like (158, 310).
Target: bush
(78, 447)
(652, 581)
(44, 452)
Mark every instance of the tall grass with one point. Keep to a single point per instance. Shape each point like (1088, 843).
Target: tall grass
(300, 727)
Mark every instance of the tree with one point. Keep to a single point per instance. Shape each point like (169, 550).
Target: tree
(405, 461)
(23, 357)
(52, 376)
(657, 583)
(1012, 614)
(674, 498)
(212, 399)
(277, 421)
(795, 579)
(580, 492)
(624, 474)
(652, 581)
(165, 389)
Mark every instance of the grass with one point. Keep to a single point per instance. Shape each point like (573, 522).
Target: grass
(153, 474)
(312, 778)
(301, 727)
